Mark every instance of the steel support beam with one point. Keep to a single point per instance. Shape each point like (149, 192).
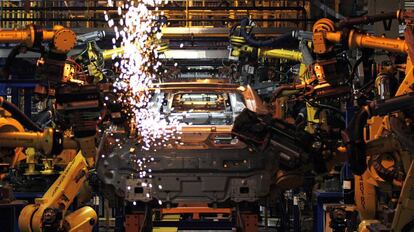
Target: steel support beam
(161, 8)
(182, 32)
(195, 54)
(169, 54)
(102, 20)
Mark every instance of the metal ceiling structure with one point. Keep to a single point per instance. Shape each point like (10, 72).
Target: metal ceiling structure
(193, 13)
(198, 28)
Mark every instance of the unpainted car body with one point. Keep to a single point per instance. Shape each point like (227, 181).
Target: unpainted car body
(205, 163)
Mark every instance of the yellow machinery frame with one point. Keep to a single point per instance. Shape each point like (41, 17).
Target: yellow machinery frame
(324, 36)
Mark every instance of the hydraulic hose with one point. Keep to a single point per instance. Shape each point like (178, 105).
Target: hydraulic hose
(279, 90)
(291, 89)
(286, 40)
(399, 103)
(10, 58)
(366, 19)
(19, 115)
(356, 147)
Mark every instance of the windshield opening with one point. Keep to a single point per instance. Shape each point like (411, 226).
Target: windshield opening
(199, 107)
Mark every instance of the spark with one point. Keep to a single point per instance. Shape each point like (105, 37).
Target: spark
(138, 32)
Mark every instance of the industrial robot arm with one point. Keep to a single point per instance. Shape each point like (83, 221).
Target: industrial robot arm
(239, 46)
(355, 131)
(49, 213)
(62, 39)
(325, 35)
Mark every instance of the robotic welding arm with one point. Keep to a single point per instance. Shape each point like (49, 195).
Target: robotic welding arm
(285, 40)
(354, 135)
(48, 141)
(243, 42)
(62, 39)
(325, 35)
(90, 36)
(49, 213)
(240, 45)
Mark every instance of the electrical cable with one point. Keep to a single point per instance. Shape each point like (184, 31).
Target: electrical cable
(355, 68)
(286, 40)
(19, 115)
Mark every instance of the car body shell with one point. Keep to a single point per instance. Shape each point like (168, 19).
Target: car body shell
(206, 165)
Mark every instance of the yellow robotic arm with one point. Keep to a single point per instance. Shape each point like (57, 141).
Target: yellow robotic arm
(46, 141)
(325, 35)
(238, 47)
(62, 39)
(107, 54)
(93, 58)
(49, 213)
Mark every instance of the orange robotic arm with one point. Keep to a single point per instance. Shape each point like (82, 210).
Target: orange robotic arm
(325, 35)
(62, 39)
(46, 141)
